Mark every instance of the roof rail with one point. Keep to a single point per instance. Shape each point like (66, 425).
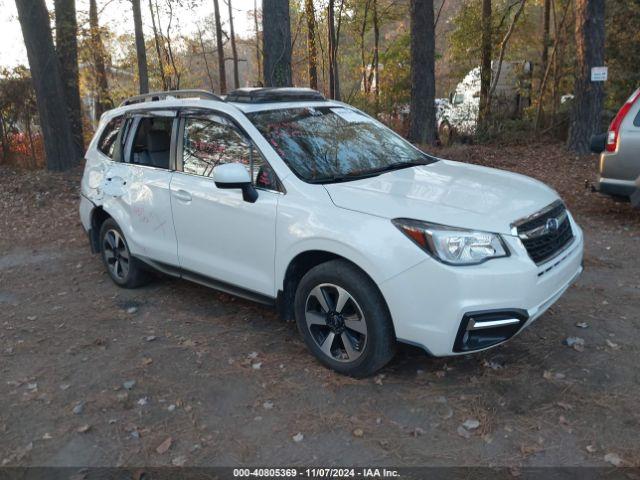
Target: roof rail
(273, 94)
(156, 96)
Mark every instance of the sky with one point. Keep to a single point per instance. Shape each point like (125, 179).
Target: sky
(116, 14)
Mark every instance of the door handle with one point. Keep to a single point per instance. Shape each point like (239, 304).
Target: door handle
(182, 195)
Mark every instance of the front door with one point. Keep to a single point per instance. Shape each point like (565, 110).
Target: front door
(220, 236)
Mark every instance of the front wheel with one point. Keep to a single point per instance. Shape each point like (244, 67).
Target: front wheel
(344, 320)
(124, 269)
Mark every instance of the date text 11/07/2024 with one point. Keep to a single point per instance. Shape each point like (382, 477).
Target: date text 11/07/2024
(316, 473)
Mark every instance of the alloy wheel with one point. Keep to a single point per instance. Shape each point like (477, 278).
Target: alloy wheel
(336, 322)
(116, 254)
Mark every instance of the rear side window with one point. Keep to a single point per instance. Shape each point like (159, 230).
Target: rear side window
(636, 121)
(151, 145)
(109, 136)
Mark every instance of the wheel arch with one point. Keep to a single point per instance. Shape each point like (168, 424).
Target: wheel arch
(298, 266)
(98, 216)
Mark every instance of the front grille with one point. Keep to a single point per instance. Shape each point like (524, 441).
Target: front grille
(545, 233)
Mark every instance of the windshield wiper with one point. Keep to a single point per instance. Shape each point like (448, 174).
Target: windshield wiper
(368, 174)
(400, 165)
(344, 178)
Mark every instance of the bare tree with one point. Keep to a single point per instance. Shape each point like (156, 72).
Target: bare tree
(311, 44)
(59, 146)
(422, 116)
(546, 17)
(554, 62)
(222, 72)
(174, 83)
(587, 104)
(234, 50)
(332, 42)
(204, 57)
(375, 73)
(363, 61)
(258, 49)
(276, 32)
(141, 50)
(67, 50)
(485, 63)
(156, 40)
(503, 49)
(101, 84)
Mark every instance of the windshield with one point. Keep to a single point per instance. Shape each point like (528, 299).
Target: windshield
(332, 144)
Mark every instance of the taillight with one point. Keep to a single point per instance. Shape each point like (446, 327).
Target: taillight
(614, 128)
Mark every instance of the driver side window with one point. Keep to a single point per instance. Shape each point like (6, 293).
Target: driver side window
(209, 141)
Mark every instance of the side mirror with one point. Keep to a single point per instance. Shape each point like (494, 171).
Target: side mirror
(598, 143)
(235, 175)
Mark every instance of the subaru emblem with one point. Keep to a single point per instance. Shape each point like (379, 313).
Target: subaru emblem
(552, 225)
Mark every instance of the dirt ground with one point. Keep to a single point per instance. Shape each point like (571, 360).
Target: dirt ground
(95, 375)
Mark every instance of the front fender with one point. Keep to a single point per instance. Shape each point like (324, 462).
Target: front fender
(372, 243)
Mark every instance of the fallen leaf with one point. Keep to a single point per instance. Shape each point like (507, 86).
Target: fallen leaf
(164, 446)
(614, 459)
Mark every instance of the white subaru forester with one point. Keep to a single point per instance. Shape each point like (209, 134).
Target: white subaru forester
(284, 197)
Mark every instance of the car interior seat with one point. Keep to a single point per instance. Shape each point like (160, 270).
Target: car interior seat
(156, 153)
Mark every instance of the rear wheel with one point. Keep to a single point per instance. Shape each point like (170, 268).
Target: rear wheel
(124, 269)
(343, 319)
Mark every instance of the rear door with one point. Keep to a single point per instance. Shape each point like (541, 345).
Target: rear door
(221, 237)
(139, 186)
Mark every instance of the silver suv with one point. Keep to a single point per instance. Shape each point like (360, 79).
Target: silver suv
(619, 149)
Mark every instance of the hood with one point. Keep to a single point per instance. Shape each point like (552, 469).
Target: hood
(449, 193)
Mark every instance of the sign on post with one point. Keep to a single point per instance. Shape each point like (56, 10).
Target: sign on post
(599, 74)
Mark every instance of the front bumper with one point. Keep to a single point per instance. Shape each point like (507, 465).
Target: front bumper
(429, 301)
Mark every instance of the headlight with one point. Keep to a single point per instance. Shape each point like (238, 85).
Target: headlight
(452, 245)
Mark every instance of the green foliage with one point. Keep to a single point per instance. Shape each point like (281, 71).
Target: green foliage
(622, 51)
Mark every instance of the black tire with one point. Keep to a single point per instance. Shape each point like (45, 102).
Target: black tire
(131, 275)
(365, 308)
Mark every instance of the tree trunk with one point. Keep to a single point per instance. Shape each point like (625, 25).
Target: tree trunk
(204, 57)
(234, 51)
(67, 50)
(363, 61)
(376, 50)
(101, 84)
(311, 44)
(546, 17)
(485, 62)
(141, 49)
(334, 81)
(258, 50)
(554, 63)
(503, 49)
(276, 34)
(422, 116)
(222, 72)
(175, 78)
(157, 44)
(587, 104)
(59, 146)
